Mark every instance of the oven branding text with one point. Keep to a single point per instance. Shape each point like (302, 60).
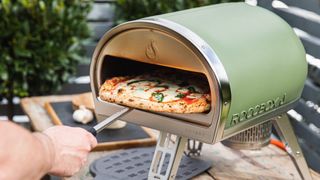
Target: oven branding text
(257, 110)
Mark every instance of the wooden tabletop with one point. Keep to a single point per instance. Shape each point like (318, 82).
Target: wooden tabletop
(268, 163)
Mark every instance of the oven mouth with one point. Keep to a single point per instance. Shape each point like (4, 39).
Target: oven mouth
(164, 43)
(121, 67)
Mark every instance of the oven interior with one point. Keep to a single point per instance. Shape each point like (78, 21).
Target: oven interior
(116, 66)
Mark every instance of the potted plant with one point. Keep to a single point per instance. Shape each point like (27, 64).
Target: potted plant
(40, 45)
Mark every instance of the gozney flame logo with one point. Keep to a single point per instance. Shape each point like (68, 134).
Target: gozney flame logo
(151, 50)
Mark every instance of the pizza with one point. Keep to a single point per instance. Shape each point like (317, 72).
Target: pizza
(162, 91)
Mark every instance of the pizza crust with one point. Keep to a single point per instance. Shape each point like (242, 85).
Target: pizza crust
(198, 106)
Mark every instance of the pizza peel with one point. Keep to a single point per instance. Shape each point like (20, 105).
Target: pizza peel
(108, 121)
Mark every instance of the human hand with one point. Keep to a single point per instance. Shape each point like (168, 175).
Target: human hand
(71, 148)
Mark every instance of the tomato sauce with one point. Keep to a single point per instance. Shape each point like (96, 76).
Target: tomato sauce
(189, 100)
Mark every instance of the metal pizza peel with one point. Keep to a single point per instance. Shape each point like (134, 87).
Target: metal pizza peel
(108, 121)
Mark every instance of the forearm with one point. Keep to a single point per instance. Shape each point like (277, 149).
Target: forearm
(23, 155)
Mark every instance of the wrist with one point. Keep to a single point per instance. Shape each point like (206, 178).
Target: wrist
(48, 152)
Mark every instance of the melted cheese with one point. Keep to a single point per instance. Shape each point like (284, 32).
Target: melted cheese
(171, 93)
(142, 94)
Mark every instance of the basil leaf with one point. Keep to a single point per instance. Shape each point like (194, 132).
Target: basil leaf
(180, 95)
(158, 96)
(191, 89)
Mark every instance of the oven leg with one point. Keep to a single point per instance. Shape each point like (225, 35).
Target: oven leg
(169, 147)
(284, 129)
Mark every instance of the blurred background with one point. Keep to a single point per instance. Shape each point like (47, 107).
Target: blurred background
(46, 45)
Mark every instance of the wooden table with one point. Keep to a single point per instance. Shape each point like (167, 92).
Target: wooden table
(268, 163)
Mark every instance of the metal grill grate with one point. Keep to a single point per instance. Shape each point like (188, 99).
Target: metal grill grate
(134, 164)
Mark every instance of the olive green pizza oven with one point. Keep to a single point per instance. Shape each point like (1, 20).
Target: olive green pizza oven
(254, 63)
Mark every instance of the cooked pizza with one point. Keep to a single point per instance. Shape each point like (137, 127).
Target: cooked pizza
(164, 92)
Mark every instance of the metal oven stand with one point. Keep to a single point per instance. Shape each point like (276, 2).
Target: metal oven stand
(168, 146)
(284, 129)
(172, 146)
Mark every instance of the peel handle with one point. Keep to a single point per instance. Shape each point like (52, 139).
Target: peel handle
(101, 125)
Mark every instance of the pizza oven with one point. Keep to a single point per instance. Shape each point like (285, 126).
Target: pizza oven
(254, 63)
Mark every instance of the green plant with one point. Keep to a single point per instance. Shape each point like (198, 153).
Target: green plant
(40, 45)
(135, 9)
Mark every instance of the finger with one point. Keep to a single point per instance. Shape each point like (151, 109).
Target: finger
(87, 143)
(84, 144)
(92, 140)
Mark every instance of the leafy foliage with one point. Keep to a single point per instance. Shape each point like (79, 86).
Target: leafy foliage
(40, 44)
(135, 9)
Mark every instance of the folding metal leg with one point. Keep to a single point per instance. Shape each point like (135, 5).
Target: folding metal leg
(283, 126)
(168, 146)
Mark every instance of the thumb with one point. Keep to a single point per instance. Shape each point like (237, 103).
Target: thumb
(92, 140)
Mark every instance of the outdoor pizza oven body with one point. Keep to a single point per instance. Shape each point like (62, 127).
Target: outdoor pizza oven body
(254, 63)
